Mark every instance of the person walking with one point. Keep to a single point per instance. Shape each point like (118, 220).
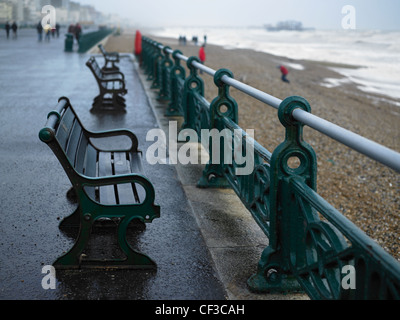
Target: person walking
(284, 72)
(47, 32)
(58, 29)
(14, 28)
(71, 29)
(7, 27)
(202, 56)
(78, 31)
(39, 29)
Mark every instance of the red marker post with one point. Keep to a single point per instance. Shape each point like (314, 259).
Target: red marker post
(138, 46)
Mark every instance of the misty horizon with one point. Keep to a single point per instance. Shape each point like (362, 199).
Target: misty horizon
(322, 15)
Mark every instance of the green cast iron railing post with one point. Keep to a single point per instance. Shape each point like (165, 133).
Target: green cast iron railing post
(154, 53)
(274, 272)
(157, 71)
(165, 76)
(222, 106)
(178, 75)
(193, 84)
(145, 53)
(151, 65)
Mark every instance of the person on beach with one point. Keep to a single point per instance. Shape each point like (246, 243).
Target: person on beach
(7, 27)
(284, 72)
(202, 55)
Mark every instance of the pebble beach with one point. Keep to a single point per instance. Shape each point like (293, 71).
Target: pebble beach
(363, 190)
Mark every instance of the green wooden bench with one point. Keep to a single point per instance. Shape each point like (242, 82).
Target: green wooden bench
(111, 58)
(108, 184)
(111, 86)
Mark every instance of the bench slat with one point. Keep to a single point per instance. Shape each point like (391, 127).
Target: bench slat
(73, 141)
(107, 193)
(121, 166)
(64, 128)
(135, 162)
(81, 153)
(90, 161)
(90, 168)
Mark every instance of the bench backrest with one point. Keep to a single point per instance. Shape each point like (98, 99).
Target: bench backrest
(103, 51)
(66, 136)
(94, 66)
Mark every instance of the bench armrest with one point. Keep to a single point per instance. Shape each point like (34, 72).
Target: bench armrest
(111, 54)
(122, 179)
(108, 73)
(116, 179)
(111, 79)
(116, 133)
(104, 52)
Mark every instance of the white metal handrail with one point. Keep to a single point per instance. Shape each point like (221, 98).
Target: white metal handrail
(369, 148)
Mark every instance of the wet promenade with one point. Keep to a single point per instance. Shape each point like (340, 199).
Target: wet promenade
(33, 186)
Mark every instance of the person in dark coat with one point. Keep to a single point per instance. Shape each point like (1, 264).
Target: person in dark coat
(71, 29)
(7, 27)
(39, 29)
(58, 30)
(14, 28)
(78, 31)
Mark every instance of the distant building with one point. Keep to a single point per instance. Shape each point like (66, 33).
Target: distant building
(56, 3)
(29, 12)
(291, 25)
(17, 10)
(6, 11)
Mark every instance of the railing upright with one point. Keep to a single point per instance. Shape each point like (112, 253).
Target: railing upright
(178, 75)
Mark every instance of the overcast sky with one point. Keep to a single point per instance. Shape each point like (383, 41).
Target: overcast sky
(322, 14)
